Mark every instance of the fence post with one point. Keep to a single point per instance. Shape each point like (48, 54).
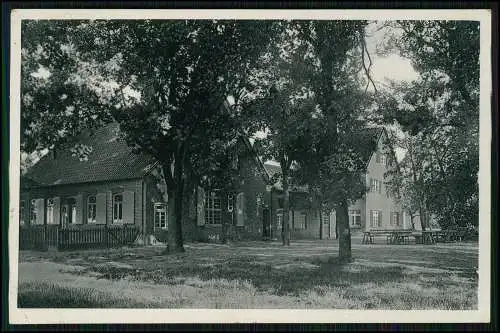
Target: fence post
(106, 235)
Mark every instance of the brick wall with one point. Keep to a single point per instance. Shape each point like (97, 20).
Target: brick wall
(83, 191)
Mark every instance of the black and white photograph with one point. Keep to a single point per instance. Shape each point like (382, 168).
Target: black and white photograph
(250, 161)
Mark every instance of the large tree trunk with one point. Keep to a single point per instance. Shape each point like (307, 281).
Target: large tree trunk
(286, 212)
(175, 190)
(345, 232)
(422, 219)
(175, 242)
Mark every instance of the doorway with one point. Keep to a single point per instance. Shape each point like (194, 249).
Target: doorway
(68, 212)
(266, 224)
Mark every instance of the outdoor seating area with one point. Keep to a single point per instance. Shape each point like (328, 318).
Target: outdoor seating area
(414, 236)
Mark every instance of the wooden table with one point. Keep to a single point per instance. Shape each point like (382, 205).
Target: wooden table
(392, 236)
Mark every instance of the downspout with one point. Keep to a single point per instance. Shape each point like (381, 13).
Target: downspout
(144, 205)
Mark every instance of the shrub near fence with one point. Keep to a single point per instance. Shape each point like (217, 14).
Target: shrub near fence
(42, 237)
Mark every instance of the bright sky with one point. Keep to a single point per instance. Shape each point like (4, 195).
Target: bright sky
(391, 67)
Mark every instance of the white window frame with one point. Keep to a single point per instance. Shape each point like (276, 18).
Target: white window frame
(92, 209)
(302, 225)
(354, 214)
(394, 220)
(325, 218)
(50, 211)
(213, 210)
(375, 185)
(375, 220)
(279, 219)
(65, 217)
(117, 208)
(383, 159)
(160, 216)
(230, 202)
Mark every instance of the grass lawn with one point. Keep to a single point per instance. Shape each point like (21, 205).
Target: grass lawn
(254, 275)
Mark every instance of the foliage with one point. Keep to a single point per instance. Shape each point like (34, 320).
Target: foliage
(165, 82)
(439, 113)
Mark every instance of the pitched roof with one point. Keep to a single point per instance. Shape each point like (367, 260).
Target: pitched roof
(261, 166)
(372, 136)
(274, 170)
(110, 159)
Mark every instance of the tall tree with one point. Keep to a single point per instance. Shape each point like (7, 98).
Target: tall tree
(440, 112)
(165, 82)
(311, 118)
(339, 50)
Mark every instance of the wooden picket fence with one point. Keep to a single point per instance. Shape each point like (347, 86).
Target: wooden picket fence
(42, 237)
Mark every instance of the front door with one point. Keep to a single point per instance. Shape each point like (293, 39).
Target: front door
(266, 223)
(68, 212)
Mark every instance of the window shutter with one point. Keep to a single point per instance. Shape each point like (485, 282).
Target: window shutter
(101, 208)
(79, 209)
(240, 209)
(57, 210)
(379, 187)
(371, 218)
(40, 211)
(128, 207)
(200, 206)
(379, 218)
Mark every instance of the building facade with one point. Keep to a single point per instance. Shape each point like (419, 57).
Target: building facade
(377, 209)
(114, 187)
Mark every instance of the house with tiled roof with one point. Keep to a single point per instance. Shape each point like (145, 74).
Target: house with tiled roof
(375, 210)
(111, 186)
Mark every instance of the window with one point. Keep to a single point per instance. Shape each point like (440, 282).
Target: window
(281, 202)
(258, 201)
(21, 212)
(213, 208)
(375, 185)
(383, 159)
(118, 208)
(279, 221)
(377, 157)
(33, 212)
(395, 219)
(376, 218)
(91, 209)
(326, 218)
(355, 218)
(160, 216)
(50, 211)
(230, 203)
(299, 220)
